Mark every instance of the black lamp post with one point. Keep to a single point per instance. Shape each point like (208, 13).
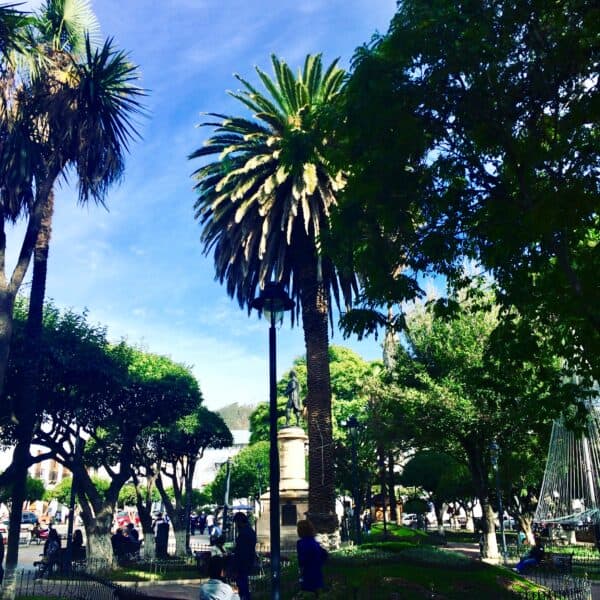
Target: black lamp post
(273, 301)
(494, 452)
(352, 426)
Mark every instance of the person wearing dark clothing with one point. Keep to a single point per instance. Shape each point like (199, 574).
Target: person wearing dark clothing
(77, 549)
(1, 558)
(244, 554)
(119, 545)
(133, 539)
(311, 557)
(533, 558)
(52, 550)
(161, 536)
(202, 522)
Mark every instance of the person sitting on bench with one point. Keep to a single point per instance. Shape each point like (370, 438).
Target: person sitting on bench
(533, 558)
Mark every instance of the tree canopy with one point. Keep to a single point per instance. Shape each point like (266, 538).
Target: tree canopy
(472, 132)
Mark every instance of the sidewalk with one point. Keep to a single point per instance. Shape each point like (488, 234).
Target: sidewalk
(175, 590)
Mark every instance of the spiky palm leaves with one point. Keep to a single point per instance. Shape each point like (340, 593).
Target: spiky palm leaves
(13, 36)
(272, 184)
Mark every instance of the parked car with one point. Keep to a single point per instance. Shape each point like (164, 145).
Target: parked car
(28, 518)
(409, 519)
(123, 518)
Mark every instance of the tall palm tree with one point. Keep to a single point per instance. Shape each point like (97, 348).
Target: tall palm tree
(263, 205)
(77, 107)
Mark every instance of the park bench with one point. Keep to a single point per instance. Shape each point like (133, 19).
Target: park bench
(561, 562)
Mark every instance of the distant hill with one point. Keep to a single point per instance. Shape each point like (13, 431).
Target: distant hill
(237, 416)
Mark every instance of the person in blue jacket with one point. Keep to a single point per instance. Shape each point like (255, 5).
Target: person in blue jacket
(311, 557)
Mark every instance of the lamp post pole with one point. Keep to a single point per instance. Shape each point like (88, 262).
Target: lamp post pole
(273, 301)
(494, 451)
(274, 465)
(226, 498)
(352, 426)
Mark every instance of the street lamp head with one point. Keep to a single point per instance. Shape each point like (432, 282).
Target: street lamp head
(273, 301)
(351, 424)
(494, 452)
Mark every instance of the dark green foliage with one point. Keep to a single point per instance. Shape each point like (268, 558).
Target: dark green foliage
(440, 475)
(472, 131)
(35, 490)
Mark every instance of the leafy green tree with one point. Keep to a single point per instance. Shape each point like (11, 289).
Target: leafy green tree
(99, 399)
(451, 394)
(12, 32)
(127, 495)
(61, 491)
(249, 474)
(178, 448)
(34, 490)
(264, 205)
(472, 134)
(441, 476)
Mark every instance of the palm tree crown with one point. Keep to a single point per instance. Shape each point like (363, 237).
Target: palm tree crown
(271, 189)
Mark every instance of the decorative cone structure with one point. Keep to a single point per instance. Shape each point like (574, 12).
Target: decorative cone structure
(570, 493)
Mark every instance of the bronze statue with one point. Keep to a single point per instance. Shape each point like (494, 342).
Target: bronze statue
(293, 404)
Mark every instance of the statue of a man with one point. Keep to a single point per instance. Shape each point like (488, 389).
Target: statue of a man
(293, 404)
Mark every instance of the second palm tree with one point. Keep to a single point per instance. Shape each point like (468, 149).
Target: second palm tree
(263, 205)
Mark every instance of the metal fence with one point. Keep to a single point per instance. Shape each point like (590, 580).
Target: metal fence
(77, 585)
(562, 586)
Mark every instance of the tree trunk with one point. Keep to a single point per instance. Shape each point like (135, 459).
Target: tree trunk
(144, 507)
(526, 523)
(321, 493)
(439, 515)
(25, 409)
(180, 541)
(7, 300)
(21, 463)
(490, 543)
(99, 546)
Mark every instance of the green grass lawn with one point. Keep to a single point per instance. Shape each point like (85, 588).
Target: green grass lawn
(411, 573)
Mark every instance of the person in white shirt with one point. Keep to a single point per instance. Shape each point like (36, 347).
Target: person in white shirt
(215, 588)
(210, 522)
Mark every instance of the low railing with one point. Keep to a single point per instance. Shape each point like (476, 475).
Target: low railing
(74, 585)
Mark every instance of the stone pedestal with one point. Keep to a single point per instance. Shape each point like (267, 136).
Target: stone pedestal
(293, 488)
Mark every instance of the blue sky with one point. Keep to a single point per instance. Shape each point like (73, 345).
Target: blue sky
(139, 268)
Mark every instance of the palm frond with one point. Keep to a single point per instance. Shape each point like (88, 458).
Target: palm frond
(68, 25)
(270, 190)
(13, 31)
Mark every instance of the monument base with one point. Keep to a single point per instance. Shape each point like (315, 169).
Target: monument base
(293, 490)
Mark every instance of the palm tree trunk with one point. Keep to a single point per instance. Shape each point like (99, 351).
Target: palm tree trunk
(25, 411)
(321, 494)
